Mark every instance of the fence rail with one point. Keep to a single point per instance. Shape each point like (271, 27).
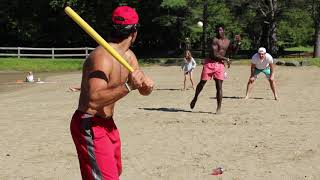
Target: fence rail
(85, 51)
(48, 52)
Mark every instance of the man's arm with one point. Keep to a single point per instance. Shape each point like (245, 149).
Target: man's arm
(147, 84)
(271, 71)
(253, 68)
(235, 45)
(100, 92)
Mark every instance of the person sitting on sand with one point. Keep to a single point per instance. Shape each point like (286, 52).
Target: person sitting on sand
(29, 77)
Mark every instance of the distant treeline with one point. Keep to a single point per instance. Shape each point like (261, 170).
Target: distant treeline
(164, 24)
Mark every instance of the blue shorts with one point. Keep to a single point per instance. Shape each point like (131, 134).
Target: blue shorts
(266, 71)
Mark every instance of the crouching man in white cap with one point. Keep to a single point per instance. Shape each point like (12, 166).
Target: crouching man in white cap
(262, 62)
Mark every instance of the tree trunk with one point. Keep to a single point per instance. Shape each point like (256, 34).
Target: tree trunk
(205, 26)
(273, 39)
(269, 36)
(273, 27)
(316, 52)
(264, 37)
(317, 42)
(269, 27)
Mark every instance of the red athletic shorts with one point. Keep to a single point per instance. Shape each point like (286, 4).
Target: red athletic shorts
(212, 69)
(98, 146)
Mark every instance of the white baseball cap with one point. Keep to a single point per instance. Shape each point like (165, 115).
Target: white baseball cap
(262, 50)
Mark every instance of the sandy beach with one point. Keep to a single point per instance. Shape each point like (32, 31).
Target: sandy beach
(163, 139)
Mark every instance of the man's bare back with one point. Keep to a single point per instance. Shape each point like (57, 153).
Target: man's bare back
(105, 71)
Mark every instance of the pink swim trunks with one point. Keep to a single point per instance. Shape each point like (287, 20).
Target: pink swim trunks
(212, 69)
(98, 146)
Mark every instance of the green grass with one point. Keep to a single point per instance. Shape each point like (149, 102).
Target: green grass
(67, 65)
(40, 65)
(315, 62)
(300, 48)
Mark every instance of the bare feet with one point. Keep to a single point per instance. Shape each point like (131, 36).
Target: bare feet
(247, 97)
(218, 111)
(193, 103)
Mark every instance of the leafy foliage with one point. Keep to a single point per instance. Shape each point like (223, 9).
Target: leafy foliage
(295, 29)
(164, 24)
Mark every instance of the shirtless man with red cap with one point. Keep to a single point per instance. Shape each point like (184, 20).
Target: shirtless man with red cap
(104, 82)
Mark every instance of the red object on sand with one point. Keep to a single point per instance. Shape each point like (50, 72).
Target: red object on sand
(217, 171)
(19, 81)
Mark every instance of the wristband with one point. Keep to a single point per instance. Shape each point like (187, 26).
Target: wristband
(128, 87)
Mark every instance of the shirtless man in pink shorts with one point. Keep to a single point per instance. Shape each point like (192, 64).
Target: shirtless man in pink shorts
(213, 67)
(104, 82)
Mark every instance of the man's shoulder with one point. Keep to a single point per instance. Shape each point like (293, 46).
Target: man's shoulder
(99, 57)
(130, 53)
(269, 55)
(96, 51)
(101, 53)
(215, 39)
(269, 58)
(254, 56)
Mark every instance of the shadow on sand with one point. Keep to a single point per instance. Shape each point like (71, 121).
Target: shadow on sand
(174, 110)
(235, 97)
(256, 98)
(167, 89)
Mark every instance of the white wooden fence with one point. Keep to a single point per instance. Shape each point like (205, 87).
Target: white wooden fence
(44, 52)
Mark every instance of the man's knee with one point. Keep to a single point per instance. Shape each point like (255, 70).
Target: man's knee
(251, 80)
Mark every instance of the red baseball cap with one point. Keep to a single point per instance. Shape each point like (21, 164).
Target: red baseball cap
(125, 15)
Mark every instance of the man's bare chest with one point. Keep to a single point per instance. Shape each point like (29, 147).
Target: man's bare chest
(223, 44)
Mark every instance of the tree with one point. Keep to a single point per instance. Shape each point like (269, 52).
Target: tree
(264, 16)
(295, 28)
(168, 24)
(205, 26)
(316, 18)
(313, 7)
(164, 24)
(269, 11)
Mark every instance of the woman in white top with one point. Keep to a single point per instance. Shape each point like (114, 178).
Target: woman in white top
(188, 66)
(262, 62)
(29, 77)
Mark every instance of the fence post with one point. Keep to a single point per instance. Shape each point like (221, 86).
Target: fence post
(52, 53)
(87, 52)
(18, 52)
